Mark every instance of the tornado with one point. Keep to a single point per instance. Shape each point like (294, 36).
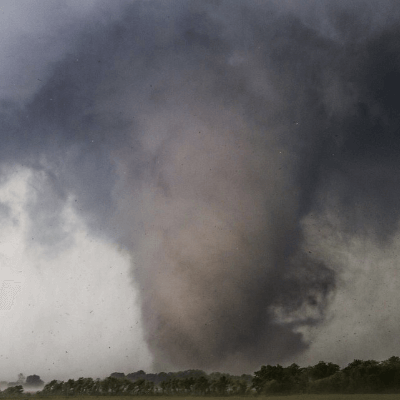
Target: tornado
(243, 154)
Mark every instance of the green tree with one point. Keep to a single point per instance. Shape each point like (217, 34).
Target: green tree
(267, 374)
(323, 370)
(238, 387)
(202, 386)
(69, 387)
(54, 387)
(13, 391)
(188, 384)
(220, 386)
(363, 376)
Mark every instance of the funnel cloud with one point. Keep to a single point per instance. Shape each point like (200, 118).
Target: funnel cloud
(242, 154)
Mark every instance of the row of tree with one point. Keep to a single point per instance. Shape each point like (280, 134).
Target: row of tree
(15, 389)
(358, 377)
(30, 380)
(200, 385)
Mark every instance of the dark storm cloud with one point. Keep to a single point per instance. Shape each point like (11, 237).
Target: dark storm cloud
(198, 135)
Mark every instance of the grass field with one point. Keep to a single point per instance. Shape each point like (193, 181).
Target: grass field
(279, 397)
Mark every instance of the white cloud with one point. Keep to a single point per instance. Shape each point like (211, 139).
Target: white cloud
(361, 320)
(76, 312)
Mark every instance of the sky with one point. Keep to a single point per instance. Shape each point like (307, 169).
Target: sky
(197, 185)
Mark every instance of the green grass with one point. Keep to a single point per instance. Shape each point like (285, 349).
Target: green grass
(279, 397)
(335, 397)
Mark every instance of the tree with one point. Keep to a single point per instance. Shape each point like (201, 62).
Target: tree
(202, 386)
(239, 387)
(13, 391)
(118, 375)
(363, 376)
(143, 387)
(323, 370)
(187, 384)
(112, 385)
(34, 380)
(53, 387)
(220, 386)
(266, 374)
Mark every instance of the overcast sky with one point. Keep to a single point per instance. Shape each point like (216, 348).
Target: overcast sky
(197, 184)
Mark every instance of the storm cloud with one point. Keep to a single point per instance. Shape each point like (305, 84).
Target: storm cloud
(234, 149)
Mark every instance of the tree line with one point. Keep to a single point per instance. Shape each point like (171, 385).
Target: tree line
(357, 377)
(191, 382)
(17, 388)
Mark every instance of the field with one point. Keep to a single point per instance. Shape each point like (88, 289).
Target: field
(280, 397)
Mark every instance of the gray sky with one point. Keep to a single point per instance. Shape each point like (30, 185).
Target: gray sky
(197, 184)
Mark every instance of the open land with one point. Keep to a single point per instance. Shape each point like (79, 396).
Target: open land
(392, 396)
